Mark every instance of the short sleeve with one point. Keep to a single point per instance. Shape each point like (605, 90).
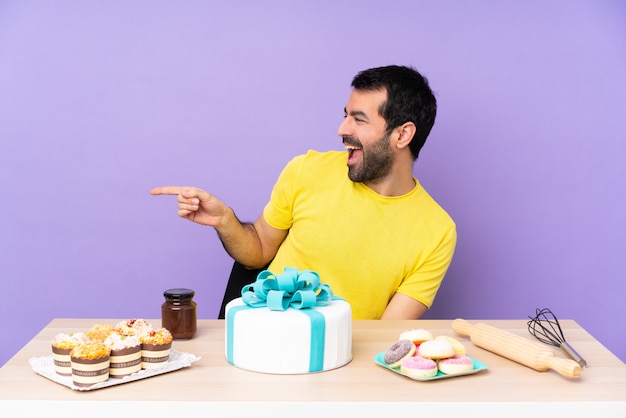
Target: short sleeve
(278, 212)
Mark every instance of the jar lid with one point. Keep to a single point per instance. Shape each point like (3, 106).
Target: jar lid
(179, 293)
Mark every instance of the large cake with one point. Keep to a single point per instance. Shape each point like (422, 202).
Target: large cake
(288, 324)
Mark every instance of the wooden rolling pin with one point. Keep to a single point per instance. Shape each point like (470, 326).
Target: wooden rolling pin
(516, 348)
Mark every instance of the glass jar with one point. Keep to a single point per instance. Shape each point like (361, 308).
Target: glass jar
(178, 313)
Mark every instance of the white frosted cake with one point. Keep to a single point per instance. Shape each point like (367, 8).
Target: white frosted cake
(292, 341)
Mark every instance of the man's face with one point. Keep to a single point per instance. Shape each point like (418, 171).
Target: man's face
(370, 157)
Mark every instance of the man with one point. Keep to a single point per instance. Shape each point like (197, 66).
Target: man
(374, 235)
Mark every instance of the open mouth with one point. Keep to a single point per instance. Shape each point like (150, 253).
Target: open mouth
(353, 152)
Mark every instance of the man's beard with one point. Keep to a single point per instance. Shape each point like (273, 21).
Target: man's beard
(377, 161)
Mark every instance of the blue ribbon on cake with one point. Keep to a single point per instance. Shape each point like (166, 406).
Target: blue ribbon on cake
(287, 290)
(291, 289)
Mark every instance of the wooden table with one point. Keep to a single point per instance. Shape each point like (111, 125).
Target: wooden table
(211, 385)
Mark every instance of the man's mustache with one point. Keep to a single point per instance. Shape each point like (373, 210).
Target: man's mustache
(352, 141)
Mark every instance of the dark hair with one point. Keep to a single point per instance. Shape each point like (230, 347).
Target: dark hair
(409, 99)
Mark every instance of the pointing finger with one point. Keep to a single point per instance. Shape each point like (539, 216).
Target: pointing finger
(169, 190)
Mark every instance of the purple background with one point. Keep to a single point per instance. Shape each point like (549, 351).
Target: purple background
(101, 101)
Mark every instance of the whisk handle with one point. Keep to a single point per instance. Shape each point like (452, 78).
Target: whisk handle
(573, 354)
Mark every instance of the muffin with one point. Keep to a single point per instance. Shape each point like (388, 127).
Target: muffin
(90, 363)
(100, 332)
(62, 345)
(125, 354)
(156, 345)
(132, 327)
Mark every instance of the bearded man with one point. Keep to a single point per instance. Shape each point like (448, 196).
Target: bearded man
(359, 218)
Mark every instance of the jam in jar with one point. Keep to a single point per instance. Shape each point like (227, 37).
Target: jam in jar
(178, 313)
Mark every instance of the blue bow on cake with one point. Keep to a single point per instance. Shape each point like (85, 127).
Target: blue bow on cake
(289, 289)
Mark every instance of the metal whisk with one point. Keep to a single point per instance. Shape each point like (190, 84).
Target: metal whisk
(546, 328)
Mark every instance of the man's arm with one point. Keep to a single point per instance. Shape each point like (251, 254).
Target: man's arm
(256, 246)
(253, 245)
(404, 307)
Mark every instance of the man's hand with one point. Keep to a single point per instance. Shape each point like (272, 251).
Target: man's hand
(252, 244)
(195, 204)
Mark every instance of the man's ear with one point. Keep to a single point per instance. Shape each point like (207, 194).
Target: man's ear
(406, 132)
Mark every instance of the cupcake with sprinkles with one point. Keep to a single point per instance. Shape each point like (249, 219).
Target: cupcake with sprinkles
(90, 363)
(125, 354)
(132, 327)
(62, 345)
(156, 345)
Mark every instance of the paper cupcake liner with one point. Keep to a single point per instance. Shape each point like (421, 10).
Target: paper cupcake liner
(62, 361)
(125, 362)
(87, 372)
(155, 356)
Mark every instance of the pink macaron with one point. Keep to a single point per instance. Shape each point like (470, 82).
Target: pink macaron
(459, 363)
(418, 367)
